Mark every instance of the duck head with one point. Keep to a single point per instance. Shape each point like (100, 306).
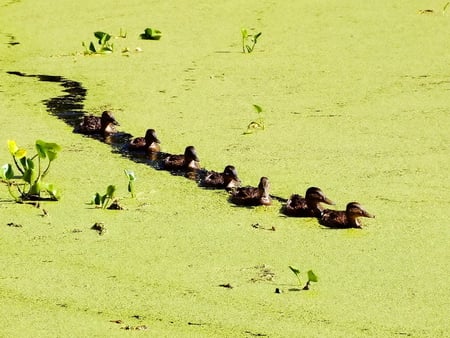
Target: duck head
(355, 210)
(263, 188)
(316, 195)
(190, 157)
(231, 177)
(150, 137)
(107, 118)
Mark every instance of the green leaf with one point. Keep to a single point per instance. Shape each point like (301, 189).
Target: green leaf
(40, 148)
(30, 175)
(255, 38)
(102, 37)
(20, 153)
(130, 174)
(312, 277)
(110, 191)
(294, 270)
(6, 172)
(92, 47)
(35, 188)
(244, 33)
(53, 191)
(45, 149)
(97, 199)
(257, 108)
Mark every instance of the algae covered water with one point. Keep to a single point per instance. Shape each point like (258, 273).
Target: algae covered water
(355, 101)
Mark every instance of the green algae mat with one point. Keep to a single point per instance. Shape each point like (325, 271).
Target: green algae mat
(355, 100)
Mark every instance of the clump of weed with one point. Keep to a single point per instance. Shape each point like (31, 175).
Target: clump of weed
(258, 123)
(29, 181)
(106, 200)
(312, 277)
(151, 34)
(249, 40)
(104, 44)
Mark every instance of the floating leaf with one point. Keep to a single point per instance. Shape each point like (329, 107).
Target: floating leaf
(257, 108)
(312, 277)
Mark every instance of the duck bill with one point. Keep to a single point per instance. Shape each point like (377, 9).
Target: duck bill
(366, 214)
(326, 200)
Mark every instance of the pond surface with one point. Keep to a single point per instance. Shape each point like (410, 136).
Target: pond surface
(355, 101)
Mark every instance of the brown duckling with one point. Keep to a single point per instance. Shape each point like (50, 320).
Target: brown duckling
(150, 143)
(226, 180)
(252, 196)
(187, 161)
(98, 125)
(344, 219)
(308, 206)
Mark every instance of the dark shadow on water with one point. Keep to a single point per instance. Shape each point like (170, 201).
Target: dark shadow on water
(69, 107)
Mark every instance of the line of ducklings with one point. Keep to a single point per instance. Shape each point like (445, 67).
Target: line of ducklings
(309, 205)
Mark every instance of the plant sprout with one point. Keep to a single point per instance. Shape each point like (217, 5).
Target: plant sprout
(105, 47)
(248, 40)
(131, 178)
(257, 124)
(103, 200)
(312, 277)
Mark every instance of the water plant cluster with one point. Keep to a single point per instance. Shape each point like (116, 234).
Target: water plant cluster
(25, 179)
(104, 44)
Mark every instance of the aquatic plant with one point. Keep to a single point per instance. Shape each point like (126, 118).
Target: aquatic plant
(312, 277)
(29, 182)
(104, 46)
(131, 178)
(151, 34)
(248, 40)
(257, 124)
(106, 200)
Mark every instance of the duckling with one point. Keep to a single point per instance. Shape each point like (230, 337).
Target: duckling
(149, 143)
(252, 196)
(308, 206)
(98, 125)
(187, 161)
(226, 180)
(344, 219)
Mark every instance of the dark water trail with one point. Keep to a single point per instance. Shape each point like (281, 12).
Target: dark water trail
(69, 107)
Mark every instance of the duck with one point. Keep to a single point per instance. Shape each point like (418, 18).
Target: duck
(149, 143)
(228, 179)
(98, 125)
(252, 196)
(347, 218)
(188, 161)
(308, 206)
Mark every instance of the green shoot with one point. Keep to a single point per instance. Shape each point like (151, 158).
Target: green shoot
(248, 40)
(103, 201)
(312, 277)
(131, 178)
(445, 8)
(104, 46)
(257, 124)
